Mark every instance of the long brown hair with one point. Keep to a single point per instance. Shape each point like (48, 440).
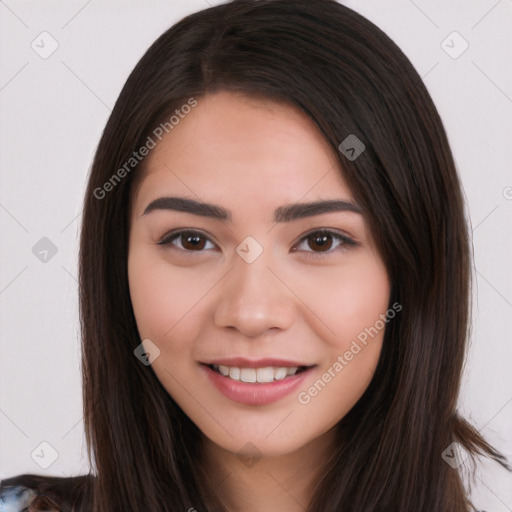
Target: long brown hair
(350, 78)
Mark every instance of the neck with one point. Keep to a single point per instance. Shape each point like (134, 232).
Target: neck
(285, 482)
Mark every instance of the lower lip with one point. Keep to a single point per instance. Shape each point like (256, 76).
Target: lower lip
(250, 393)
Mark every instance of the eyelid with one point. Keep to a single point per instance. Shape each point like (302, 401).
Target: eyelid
(345, 240)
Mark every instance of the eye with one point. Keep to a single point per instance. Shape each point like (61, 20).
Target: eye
(191, 241)
(322, 239)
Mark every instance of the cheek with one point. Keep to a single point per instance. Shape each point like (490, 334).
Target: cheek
(351, 325)
(163, 296)
(364, 297)
(344, 300)
(167, 306)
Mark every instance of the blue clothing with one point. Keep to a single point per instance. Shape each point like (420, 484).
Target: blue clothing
(16, 499)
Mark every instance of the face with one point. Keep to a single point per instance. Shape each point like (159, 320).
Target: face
(268, 314)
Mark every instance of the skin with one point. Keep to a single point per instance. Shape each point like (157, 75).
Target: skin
(252, 156)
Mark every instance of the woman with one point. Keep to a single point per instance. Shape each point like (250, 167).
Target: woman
(274, 278)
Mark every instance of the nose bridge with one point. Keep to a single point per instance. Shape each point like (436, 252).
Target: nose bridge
(253, 300)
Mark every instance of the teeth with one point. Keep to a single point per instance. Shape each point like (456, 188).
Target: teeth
(247, 374)
(280, 373)
(234, 373)
(267, 374)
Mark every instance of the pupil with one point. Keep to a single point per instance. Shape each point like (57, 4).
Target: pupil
(196, 241)
(320, 241)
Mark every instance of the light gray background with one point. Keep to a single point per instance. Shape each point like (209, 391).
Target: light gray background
(53, 111)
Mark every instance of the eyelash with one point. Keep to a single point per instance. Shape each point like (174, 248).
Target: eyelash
(344, 240)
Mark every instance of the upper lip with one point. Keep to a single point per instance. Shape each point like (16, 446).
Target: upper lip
(241, 362)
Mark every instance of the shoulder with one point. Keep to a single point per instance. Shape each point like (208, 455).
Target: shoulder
(15, 498)
(54, 493)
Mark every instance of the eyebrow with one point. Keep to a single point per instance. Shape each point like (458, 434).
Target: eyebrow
(286, 213)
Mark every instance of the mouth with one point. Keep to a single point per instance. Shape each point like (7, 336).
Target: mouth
(257, 383)
(264, 374)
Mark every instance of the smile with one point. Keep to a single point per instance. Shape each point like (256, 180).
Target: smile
(255, 386)
(265, 374)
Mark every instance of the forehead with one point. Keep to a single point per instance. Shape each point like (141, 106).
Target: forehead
(235, 146)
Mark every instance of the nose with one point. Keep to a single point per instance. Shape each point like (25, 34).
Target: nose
(254, 299)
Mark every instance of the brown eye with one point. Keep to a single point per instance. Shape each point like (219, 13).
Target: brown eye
(323, 242)
(191, 241)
